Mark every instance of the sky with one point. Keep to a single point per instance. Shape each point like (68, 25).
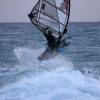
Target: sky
(17, 10)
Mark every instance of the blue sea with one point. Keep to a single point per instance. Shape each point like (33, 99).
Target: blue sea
(72, 75)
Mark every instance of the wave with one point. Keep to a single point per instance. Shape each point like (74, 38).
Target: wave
(57, 81)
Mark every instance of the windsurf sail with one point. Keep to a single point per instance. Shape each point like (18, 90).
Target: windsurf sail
(53, 14)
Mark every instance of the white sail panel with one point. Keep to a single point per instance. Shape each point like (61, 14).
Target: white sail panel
(49, 22)
(49, 10)
(61, 27)
(59, 2)
(61, 16)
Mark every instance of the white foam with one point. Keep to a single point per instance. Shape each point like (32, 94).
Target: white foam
(29, 58)
(61, 83)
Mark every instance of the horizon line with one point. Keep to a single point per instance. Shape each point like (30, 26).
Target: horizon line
(69, 22)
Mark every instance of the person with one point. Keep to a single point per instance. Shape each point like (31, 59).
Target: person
(55, 45)
(53, 40)
(52, 45)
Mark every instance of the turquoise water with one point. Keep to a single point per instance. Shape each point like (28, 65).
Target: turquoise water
(72, 75)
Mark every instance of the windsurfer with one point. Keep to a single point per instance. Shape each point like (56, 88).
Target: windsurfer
(54, 41)
(49, 14)
(54, 45)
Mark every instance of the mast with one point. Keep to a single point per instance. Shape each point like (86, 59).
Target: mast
(67, 2)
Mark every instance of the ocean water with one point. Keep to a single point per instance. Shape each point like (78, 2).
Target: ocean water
(72, 75)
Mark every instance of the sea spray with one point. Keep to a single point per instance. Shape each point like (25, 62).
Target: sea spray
(29, 57)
